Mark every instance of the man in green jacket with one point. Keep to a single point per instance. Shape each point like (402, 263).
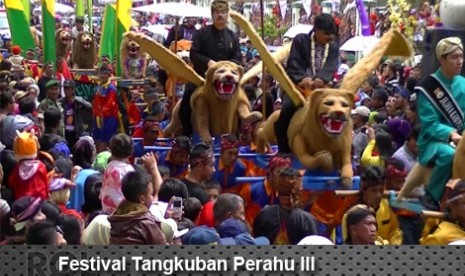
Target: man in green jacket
(51, 101)
(441, 103)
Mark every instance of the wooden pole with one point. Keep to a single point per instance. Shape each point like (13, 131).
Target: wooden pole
(263, 84)
(174, 80)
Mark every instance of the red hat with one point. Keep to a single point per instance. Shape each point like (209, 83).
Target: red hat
(16, 50)
(206, 215)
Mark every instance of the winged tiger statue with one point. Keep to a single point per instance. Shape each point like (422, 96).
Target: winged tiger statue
(218, 103)
(320, 132)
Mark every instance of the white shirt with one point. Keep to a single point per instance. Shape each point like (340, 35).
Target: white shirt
(342, 69)
(75, 32)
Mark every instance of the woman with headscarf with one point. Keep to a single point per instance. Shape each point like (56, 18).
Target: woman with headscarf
(84, 153)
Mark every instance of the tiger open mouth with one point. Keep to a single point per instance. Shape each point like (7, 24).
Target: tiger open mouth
(332, 123)
(133, 50)
(86, 44)
(225, 86)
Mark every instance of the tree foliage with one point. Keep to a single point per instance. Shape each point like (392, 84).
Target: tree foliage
(271, 28)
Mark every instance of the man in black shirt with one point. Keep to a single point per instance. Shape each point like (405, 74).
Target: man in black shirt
(313, 59)
(211, 44)
(202, 165)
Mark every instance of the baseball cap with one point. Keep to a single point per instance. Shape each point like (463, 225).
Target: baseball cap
(24, 209)
(20, 94)
(245, 239)
(58, 184)
(51, 83)
(201, 235)
(362, 111)
(169, 227)
(231, 227)
(68, 83)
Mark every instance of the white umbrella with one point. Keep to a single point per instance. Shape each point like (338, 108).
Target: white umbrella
(360, 44)
(158, 29)
(176, 9)
(298, 29)
(62, 8)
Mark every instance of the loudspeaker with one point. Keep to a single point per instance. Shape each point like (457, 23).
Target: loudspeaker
(429, 62)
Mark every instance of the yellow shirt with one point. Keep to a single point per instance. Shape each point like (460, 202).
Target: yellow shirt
(388, 225)
(446, 233)
(368, 159)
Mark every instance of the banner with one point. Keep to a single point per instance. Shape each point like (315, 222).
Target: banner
(48, 30)
(80, 8)
(107, 39)
(310, 259)
(27, 9)
(19, 25)
(123, 23)
(364, 21)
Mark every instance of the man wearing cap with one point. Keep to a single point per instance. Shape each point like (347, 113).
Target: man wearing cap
(25, 211)
(201, 235)
(313, 59)
(211, 44)
(47, 75)
(16, 59)
(51, 100)
(79, 27)
(389, 73)
(77, 114)
(360, 138)
(441, 103)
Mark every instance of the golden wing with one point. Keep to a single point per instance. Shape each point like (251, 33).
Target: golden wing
(392, 43)
(276, 69)
(165, 58)
(279, 56)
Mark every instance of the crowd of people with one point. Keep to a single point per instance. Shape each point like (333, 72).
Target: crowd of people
(69, 175)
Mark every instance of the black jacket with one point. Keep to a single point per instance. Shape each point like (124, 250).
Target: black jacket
(82, 115)
(213, 44)
(299, 63)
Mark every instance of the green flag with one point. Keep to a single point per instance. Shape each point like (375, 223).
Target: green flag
(19, 26)
(80, 8)
(123, 23)
(90, 12)
(107, 39)
(48, 30)
(27, 9)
